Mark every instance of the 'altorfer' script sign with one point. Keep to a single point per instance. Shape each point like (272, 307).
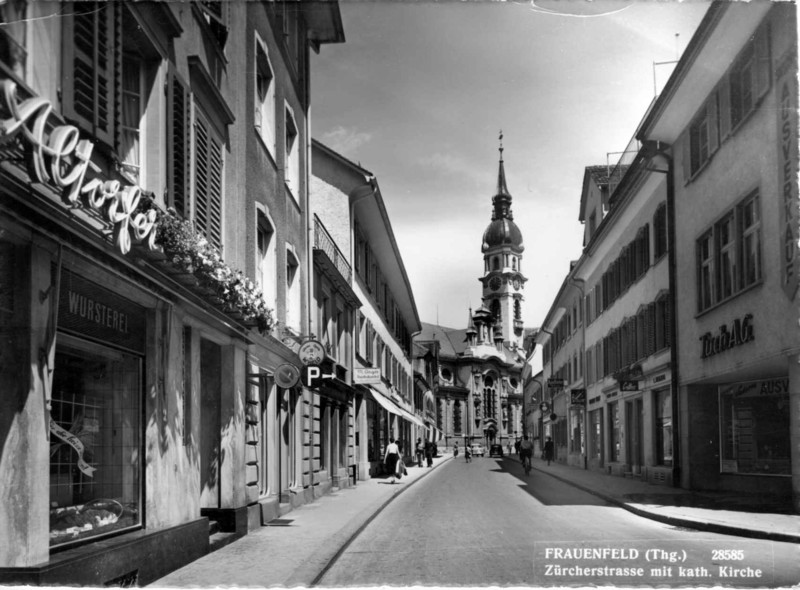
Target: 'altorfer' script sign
(61, 161)
(741, 331)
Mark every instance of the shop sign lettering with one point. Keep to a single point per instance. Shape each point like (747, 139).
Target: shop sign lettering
(774, 387)
(94, 311)
(61, 160)
(786, 76)
(740, 332)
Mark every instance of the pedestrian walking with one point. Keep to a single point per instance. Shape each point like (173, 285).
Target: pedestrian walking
(516, 446)
(420, 451)
(391, 457)
(467, 453)
(548, 450)
(455, 450)
(429, 453)
(508, 448)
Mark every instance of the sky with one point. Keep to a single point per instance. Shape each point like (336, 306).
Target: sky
(420, 91)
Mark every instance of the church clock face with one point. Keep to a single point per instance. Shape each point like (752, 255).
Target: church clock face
(517, 284)
(494, 283)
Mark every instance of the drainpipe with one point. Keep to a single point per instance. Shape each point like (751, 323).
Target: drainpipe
(652, 150)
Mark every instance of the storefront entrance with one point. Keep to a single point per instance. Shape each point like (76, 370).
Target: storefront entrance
(634, 422)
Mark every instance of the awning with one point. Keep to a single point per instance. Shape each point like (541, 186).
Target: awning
(385, 403)
(392, 407)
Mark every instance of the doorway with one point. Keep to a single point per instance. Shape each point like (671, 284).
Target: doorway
(634, 418)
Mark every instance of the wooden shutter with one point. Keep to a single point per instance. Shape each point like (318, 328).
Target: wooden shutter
(91, 50)
(762, 63)
(724, 108)
(207, 181)
(686, 148)
(712, 116)
(178, 146)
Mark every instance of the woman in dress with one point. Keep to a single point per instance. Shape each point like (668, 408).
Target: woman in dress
(391, 457)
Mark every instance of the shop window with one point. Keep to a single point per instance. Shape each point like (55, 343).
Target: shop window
(265, 425)
(595, 437)
(324, 434)
(663, 427)
(343, 436)
(95, 442)
(613, 432)
(754, 426)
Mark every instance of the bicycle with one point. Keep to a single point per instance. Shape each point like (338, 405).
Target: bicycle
(526, 463)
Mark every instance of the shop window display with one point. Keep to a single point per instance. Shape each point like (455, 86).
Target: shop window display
(754, 427)
(94, 442)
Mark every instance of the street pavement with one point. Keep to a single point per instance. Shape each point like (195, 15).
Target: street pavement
(299, 552)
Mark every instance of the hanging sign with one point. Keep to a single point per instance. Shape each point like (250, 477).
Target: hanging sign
(311, 352)
(786, 85)
(577, 397)
(366, 375)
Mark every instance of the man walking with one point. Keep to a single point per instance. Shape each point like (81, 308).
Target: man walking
(420, 451)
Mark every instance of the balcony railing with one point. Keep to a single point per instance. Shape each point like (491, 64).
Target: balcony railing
(626, 157)
(324, 242)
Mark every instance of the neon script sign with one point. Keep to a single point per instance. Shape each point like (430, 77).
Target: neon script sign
(61, 160)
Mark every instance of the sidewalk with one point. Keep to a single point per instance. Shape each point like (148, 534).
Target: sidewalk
(721, 512)
(297, 551)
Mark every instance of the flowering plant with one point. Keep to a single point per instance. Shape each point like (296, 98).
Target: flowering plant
(188, 250)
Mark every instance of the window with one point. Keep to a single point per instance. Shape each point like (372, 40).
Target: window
(215, 15)
(595, 437)
(729, 254)
(750, 228)
(95, 467)
(324, 434)
(457, 418)
(705, 279)
(754, 428)
(266, 275)
(266, 419)
(613, 431)
(663, 427)
(13, 37)
(292, 154)
(749, 78)
(725, 246)
(265, 97)
(704, 134)
(660, 230)
(292, 291)
(130, 140)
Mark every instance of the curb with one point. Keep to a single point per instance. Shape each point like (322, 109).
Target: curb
(678, 521)
(366, 523)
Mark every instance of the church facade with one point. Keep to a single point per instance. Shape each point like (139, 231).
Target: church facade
(478, 394)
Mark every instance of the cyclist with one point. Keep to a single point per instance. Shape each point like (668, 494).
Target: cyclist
(526, 452)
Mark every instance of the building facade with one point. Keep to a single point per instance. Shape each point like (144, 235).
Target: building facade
(731, 144)
(688, 278)
(385, 312)
(155, 277)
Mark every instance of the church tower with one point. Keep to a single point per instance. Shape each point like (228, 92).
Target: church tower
(503, 281)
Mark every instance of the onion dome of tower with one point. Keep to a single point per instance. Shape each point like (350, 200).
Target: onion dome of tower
(502, 231)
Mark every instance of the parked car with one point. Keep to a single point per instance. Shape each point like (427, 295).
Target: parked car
(496, 451)
(477, 449)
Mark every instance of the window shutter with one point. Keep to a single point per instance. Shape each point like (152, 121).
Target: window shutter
(651, 329)
(762, 65)
(215, 191)
(712, 114)
(724, 110)
(685, 143)
(90, 51)
(667, 322)
(178, 125)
